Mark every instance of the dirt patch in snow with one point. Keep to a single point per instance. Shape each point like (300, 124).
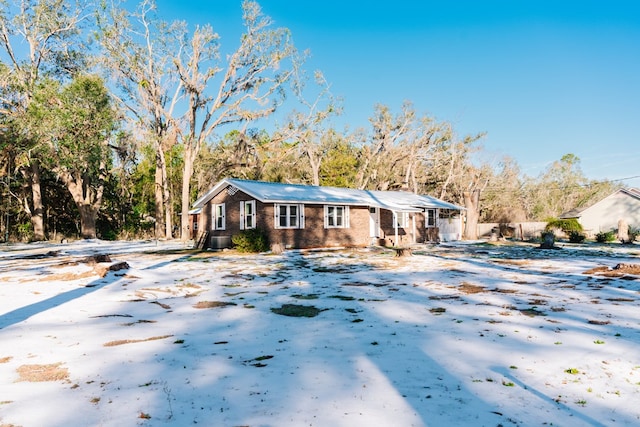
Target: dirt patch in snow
(42, 373)
(295, 310)
(469, 288)
(618, 271)
(121, 342)
(212, 304)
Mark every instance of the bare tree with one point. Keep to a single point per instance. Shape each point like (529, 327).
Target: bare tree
(140, 52)
(399, 151)
(250, 85)
(458, 178)
(308, 129)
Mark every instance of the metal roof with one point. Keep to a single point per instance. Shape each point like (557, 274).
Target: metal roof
(275, 192)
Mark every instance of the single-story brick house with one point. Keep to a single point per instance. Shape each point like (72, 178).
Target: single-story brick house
(604, 215)
(305, 216)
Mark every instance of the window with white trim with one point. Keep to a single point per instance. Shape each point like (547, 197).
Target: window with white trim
(430, 218)
(247, 214)
(289, 216)
(401, 219)
(336, 216)
(219, 220)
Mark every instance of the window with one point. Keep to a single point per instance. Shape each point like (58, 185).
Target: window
(336, 216)
(247, 214)
(289, 216)
(430, 218)
(219, 221)
(401, 219)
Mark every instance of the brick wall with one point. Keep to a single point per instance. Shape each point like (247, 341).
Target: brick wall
(313, 235)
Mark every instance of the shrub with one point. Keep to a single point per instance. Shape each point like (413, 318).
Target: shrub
(566, 225)
(109, 235)
(605, 236)
(25, 231)
(252, 240)
(634, 232)
(576, 237)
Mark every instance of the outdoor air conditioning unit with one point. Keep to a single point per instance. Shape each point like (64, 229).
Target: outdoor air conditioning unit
(219, 242)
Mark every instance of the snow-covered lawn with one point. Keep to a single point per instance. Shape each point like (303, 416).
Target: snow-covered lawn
(458, 334)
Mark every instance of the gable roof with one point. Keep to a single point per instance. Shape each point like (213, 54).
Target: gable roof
(274, 192)
(577, 212)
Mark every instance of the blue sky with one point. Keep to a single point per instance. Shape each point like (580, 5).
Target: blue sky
(541, 78)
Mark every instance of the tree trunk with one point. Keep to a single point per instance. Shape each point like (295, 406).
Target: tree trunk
(159, 200)
(88, 216)
(314, 162)
(472, 205)
(37, 216)
(168, 205)
(88, 200)
(189, 157)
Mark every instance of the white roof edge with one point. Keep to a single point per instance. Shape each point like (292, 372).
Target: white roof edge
(354, 197)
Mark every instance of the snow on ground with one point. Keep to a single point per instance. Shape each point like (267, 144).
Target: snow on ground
(459, 334)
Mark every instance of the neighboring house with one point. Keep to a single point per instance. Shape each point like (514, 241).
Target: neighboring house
(604, 215)
(304, 216)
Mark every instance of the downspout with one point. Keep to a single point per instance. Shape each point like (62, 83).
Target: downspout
(413, 221)
(395, 226)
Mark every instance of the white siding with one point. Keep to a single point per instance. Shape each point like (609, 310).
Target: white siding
(604, 215)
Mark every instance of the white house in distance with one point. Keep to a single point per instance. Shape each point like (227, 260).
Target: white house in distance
(604, 215)
(306, 216)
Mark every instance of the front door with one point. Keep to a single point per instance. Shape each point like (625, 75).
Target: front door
(374, 223)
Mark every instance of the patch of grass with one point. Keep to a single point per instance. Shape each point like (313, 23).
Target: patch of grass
(572, 371)
(178, 342)
(357, 321)
(5, 359)
(342, 297)
(139, 321)
(42, 373)
(305, 296)
(581, 402)
(469, 288)
(532, 312)
(258, 361)
(508, 384)
(259, 358)
(150, 383)
(437, 310)
(295, 310)
(165, 306)
(598, 342)
(212, 304)
(121, 342)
